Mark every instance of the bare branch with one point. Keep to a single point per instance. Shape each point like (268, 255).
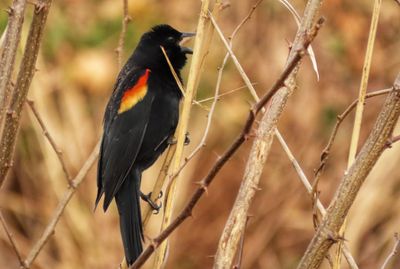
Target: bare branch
(352, 181)
(187, 210)
(50, 228)
(46, 133)
(18, 96)
(339, 119)
(201, 45)
(12, 241)
(395, 250)
(7, 60)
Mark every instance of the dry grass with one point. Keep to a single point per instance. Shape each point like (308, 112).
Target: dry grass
(77, 67)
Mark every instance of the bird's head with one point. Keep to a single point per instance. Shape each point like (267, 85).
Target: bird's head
(149, 54)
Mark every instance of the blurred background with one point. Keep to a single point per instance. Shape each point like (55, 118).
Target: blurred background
(77, 66)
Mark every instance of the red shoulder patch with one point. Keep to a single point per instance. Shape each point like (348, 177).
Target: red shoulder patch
(135, 94)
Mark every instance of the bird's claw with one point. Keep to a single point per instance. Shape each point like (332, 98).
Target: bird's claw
(147, 198)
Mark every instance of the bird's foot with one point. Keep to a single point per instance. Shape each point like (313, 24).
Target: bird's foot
(147, 198)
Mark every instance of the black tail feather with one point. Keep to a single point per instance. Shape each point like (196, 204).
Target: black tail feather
(128, 203)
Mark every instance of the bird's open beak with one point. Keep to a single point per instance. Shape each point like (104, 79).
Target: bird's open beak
(187, 50)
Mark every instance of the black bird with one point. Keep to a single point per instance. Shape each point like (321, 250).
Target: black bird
(139, 122)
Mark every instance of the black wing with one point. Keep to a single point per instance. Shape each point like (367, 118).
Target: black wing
(122, 138)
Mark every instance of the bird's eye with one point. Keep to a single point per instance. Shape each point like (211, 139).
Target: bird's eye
(171, 39)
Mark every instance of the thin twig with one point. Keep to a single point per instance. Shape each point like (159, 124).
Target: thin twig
(19, 92)
(224, 94)
(46, 133)
(339, 120)
(50, 228)
(12, 241)
(121, 42)
(395, 250)
(178, 81)
(188, 208)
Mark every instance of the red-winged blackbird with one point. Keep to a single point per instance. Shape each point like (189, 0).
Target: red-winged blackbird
(139, 121)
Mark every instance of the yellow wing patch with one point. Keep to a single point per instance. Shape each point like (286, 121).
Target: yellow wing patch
(135, 94)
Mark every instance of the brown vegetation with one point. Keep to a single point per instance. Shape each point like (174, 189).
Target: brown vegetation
(76, 68)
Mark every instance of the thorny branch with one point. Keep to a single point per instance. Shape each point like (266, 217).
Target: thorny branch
(249, 85)
(187, 210)
(352, 181)
(339, 119)
(46, 133)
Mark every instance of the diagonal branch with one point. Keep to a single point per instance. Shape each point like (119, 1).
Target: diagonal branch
(46, 133)
(187, 210)
(352, 181)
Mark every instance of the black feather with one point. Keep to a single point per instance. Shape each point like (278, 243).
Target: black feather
(134, 138)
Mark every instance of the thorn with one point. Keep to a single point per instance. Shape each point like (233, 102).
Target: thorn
(256, 188)
(9, 164)
(10, 11)
(12, 114)
(153, 243)
(127, 19)
(39, 6)
(301, 52)
(389, 143)
(190, 214)
(202, 186)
